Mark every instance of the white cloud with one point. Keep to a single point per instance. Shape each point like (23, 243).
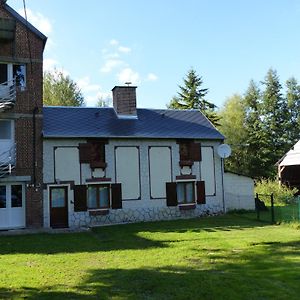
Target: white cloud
(38, 20)
(86, 86)
(128, 75)
(50, 64)
(151, 77)
(124, 49)
(110, 64)
(113, 42)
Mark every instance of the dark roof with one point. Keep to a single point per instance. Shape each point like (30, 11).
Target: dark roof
(75, 122)
(25, 23)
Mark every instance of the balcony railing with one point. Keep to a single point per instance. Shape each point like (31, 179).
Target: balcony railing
(7, 161)
(7, 95)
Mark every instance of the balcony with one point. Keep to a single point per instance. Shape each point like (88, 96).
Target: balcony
(7, 95)
(7, 161)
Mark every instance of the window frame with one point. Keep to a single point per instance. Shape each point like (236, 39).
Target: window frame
(185, 183)
(10, 74)
(98, 200)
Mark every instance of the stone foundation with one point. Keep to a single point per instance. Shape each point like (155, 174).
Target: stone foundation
(85, 219)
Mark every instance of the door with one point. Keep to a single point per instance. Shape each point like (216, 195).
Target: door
(59, 207)
(12, 206)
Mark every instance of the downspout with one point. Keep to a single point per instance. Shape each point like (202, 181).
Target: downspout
(34, 112)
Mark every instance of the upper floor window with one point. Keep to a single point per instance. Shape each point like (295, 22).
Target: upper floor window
(9, 72)
(5, 130)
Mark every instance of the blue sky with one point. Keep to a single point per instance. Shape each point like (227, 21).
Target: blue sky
(154, 43)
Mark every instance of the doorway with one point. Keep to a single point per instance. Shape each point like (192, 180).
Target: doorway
(59, 207)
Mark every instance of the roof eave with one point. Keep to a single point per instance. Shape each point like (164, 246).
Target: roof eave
(26, 23)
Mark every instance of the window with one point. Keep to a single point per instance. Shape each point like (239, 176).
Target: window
(3, 73)
(5, 130)
(185, 192)
(16, 196)
(19, 73)
(8, 72)
(98, 196)
(2, 196)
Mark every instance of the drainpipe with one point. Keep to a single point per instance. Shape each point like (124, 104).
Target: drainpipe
(34, 112)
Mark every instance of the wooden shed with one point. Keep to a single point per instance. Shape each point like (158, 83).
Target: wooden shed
(289, 167)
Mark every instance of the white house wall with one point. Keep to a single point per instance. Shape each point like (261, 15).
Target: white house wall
(145, 207)
(127, 166)
(208, 170)
(160, 170)
(67, 164)
(239, 192)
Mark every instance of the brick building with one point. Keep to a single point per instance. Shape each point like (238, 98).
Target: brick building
(21, 121)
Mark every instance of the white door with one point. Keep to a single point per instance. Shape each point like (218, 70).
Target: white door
(12, 206)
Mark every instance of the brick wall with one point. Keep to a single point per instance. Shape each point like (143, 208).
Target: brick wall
(18, 51)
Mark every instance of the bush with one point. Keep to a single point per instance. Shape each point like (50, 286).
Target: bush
(282, 194)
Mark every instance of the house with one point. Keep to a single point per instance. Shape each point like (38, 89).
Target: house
(123, 164)
(289, 167)
(21, 65)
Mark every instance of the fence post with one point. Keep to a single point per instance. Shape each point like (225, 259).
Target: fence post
(272, 209)
(257, 206)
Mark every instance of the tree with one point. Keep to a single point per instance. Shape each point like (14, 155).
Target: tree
(192, 96)
(293, 107)
(274, 119)
(61, 90)
(233, 116)
(103, 102)
(256, 150)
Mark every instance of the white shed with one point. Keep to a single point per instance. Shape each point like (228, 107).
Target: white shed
(239, 192)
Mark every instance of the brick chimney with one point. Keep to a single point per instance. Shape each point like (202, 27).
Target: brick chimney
(124, 101)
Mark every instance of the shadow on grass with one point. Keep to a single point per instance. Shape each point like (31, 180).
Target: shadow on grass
(268, 272)
(120, 237)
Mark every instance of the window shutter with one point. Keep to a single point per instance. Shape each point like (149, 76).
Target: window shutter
(85, 153)
(201, 192)
(80, 198)
(171, 194)
(116, 195)
(195, 151)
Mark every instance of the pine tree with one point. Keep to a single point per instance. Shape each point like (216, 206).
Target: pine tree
(293, 107)
(192, 96)
(274, 119)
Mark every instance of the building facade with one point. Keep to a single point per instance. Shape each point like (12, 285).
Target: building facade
(123, 164)
(21, 73)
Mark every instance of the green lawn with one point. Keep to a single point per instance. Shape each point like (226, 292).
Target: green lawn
(227, 257)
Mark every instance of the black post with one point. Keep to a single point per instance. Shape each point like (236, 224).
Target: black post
(272, 209)
(257, 206)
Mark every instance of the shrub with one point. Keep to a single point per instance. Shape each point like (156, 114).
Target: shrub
(282, 194)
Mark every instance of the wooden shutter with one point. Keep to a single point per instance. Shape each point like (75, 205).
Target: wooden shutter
(85, 153)
(171, 194)
(80, 198)
(116, 196)
(195, 151)
(201, 192)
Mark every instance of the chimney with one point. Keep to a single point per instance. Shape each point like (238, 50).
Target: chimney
(124, 101)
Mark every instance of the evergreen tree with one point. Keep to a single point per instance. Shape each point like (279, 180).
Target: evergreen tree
(192, 96)
(256, 145)
(61, 90)
(293, 107)
(274, 116)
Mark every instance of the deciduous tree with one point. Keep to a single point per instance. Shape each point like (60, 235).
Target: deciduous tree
(61, 90)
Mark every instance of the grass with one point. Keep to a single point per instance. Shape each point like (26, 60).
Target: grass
(226, 257)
